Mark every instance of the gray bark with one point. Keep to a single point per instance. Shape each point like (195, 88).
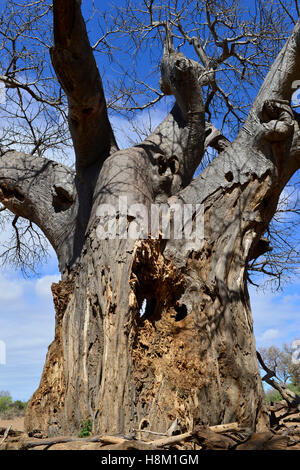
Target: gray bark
(75, 67)
(44, 192)
(192, 355)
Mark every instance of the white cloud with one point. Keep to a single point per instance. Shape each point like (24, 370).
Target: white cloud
(2, 93)
(276, 315)
(268, 336)
(26, 328)
(10, 291)
(43, 285)
(127, 131)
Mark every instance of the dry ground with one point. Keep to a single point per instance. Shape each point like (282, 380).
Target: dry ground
(17, 423)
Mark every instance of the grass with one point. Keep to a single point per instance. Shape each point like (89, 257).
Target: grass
(273, 395)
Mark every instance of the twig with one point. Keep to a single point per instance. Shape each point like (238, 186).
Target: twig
(5, 435)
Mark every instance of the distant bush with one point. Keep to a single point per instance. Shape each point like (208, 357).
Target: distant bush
(295, 388)
(10, 408)
(274, 395)
(5, 403)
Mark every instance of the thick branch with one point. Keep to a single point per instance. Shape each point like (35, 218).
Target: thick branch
(177, 145)
(269, 140)
(295, 147)
(180, 77)
(214, 138)
(279, 82)
(167, 150)
(76, 69)
(278, 87)
(43, 192)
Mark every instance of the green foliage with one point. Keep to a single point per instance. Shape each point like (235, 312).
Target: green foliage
(274, 395)
(86, 428)
(295, 388)
(5, 403)
(10, 408)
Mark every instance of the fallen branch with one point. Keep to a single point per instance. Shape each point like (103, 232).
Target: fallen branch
(295, 419)
(109, 440)
(279, 406)
(220, 428)
(171, 440)
(106, 440)
(5, 435)
(151, 432)
(230, 427)
(65, 439)
(121, 440)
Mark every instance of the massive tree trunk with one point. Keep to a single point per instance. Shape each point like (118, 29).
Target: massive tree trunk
(153, 329)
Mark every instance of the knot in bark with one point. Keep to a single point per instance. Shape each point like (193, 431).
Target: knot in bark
(277, 120)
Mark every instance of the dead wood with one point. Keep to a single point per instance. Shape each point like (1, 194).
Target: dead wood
(211, 436)
(5, 435)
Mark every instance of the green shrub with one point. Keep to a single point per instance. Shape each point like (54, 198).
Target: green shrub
(274, 395)
(86, 428)
(5, 403)
(20, 405)
(10, 408)
(295, 388)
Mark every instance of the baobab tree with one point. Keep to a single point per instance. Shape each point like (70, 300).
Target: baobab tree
(155, 328)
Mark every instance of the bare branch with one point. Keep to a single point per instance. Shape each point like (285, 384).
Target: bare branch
(11, 82)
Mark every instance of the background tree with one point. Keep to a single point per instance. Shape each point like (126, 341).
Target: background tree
(191, 356)
(281, 362)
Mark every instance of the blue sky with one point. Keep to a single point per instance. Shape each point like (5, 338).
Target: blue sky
(26, 327)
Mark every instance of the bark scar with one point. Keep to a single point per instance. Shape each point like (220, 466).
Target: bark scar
(277, 120)
(7, 194)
